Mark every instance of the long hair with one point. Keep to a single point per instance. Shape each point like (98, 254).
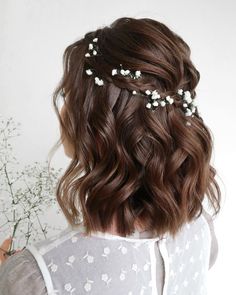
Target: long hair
(130, 163)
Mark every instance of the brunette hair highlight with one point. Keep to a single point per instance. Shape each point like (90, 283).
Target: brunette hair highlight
(129, 163)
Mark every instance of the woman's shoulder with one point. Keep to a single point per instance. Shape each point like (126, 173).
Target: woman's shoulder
(20, 274)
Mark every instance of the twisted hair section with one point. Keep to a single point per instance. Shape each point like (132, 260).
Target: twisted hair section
(129, 164)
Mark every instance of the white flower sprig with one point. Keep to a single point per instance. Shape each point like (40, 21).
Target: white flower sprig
(25, 193)
(98, 81)
(154, 99)
(188, 102)
(93, 50)
(127, 72)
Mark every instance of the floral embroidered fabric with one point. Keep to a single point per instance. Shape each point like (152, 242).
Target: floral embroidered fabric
(72, 263)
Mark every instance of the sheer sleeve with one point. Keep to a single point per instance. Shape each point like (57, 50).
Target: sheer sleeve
(214, 241)
(20, 274)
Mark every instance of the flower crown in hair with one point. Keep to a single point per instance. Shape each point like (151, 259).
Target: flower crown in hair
(153, 96)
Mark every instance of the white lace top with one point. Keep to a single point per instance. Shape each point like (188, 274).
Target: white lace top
(71, 263)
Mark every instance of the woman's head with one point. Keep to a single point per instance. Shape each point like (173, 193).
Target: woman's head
(130, 163)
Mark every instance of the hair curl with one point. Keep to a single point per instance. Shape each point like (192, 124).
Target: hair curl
(129, 163)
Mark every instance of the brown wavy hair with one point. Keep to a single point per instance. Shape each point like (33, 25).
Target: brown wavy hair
(130, 163)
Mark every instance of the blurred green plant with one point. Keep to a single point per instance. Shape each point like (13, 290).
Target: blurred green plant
(25, 195)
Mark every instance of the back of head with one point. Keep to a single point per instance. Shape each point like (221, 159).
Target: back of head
(130, 163)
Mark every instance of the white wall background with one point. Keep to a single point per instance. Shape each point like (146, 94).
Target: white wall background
(33, 36)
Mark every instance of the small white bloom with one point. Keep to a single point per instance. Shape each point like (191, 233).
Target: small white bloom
(106, 250)
(181, 267)
(187, 94)
(148, 105)
(193, 109)
(137, 74)
(98, 81)
(67, 287)
(90, 259)
(163, 103)
(136, 245)
(87, 54)
(94, 52)
(134, 92)
(185, 105)
(146, 266)
(169, 99)
(180, 91)
(90, 46)
(89, 72)
(124, 72)
(155, 103)
(114, 72)
(185, 283)
(104, 277)
(188, 112)
(142, 290)
(188, 99)
(155, 94)
(95, 39)
(124, 250)
(148, 92)
(192, 259)
(194, 102)
(196, 237)
(195, 275)
(71, 259)
(54, 268)
(134, 267)
(87, 287)
(188, 243)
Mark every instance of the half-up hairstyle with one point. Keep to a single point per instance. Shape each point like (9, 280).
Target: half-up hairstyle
(131, 164)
